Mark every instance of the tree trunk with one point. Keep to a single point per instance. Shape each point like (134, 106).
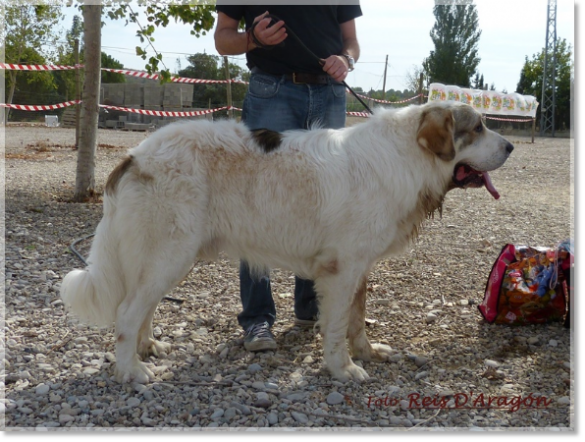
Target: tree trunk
(85, 180)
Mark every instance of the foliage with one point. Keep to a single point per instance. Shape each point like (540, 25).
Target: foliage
(27, 33)
(530, 82)
(202, 65)
(456, 36)
(200, 17)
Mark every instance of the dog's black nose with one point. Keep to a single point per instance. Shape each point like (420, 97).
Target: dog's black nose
(509, 148)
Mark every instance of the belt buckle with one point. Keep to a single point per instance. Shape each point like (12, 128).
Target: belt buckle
(294, 79)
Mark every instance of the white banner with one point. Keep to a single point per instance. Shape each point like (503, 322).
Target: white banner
(486, 102)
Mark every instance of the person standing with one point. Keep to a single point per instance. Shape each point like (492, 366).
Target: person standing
(288, 90)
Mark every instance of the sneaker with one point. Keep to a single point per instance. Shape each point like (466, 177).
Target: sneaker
(259, 338)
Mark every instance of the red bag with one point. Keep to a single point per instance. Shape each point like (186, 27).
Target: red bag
(528, 285)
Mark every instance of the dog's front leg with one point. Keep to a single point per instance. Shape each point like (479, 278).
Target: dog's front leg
(360, 346)
(335, 297)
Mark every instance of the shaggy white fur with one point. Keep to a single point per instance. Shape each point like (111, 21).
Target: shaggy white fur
(326, 204)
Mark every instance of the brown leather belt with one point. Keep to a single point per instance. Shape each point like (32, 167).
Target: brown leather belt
(304, 78)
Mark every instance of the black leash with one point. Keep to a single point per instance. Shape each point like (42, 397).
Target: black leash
(275, 19)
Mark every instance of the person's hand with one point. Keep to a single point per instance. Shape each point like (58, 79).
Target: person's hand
(269, 36)
(336, 66)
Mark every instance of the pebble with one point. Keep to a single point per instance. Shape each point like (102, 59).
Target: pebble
(335, 398)
(254, 368)
(299, 417)
(553, 343)
(133, 402)
(262, 400)
(491, 363)
(431, 318)
(272, 418)
(65, 418)
(42, 389)
(217, 413)
(419, 361)
(258, 385)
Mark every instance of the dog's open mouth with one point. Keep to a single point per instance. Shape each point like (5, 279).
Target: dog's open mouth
(465, 176)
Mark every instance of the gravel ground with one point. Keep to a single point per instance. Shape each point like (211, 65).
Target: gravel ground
(58, 373)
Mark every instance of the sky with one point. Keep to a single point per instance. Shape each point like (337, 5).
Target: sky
(511, 31)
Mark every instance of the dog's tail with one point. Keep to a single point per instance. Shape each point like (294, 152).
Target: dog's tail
(94, 293)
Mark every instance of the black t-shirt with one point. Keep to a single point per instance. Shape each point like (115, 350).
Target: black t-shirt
(316, 25)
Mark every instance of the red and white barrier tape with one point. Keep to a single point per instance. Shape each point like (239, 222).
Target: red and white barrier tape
(141, 74)
(163, 113)
(32, 107)
(38, 67)
(359, 114)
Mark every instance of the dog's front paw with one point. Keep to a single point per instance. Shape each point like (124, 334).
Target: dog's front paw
(138, 372)
(350, 372)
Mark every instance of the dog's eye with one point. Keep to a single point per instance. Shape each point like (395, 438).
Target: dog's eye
(479, 128)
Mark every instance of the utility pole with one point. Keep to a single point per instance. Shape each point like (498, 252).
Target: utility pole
(420, 89)
(229, 86)
(548, 102)
(384, 84)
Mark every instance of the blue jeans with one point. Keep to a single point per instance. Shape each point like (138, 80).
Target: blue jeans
(276, 103)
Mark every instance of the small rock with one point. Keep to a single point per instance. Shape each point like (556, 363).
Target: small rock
(491, 363)
(262, 400)
(217, 414)
(64, 418)
(533, 340)
(254, 368)
(258, 385)
(422, 374)
(431, 318)
(42, 389)
(230, 413)
(133, 402)
(335, 398)
(157, 332)
(552, 343)
(565, 400)
(299, 417)
(272, 418)
(419, 361)
(464, 302)
(308, 360)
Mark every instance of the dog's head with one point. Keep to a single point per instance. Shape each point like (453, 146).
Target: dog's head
(455, 133)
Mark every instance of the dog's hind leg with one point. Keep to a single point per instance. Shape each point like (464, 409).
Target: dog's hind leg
(360, 346)
(335, 297)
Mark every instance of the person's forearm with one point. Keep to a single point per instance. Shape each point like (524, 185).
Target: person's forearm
(351, 47)
(231, 42)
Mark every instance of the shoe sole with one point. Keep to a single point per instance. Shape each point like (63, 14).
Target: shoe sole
(260, 345)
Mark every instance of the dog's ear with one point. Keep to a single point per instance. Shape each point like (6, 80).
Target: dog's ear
(435, 133)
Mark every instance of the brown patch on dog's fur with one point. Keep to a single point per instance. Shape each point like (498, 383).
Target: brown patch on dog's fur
(435, 133)
(428, 203)
(121, 338)
(117, 174)
(268, 140)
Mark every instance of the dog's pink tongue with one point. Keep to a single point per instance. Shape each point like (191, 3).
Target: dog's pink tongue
(487, 181)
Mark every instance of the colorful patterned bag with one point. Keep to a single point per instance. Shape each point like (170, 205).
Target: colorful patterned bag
(529, 285)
